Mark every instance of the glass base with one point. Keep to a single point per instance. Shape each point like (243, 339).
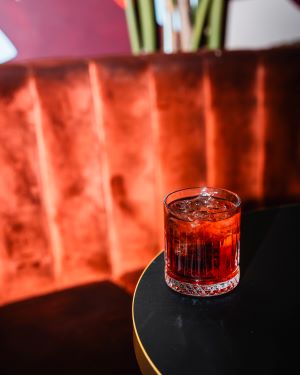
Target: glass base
(202, 290)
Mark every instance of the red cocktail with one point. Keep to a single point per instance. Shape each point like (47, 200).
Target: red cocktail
(202, 241)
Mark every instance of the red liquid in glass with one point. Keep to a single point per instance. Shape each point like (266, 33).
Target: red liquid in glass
(202, 240)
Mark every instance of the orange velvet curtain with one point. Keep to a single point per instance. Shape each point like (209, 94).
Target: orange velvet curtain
(88, 149)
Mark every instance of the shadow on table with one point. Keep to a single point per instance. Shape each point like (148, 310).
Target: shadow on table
(259, 224)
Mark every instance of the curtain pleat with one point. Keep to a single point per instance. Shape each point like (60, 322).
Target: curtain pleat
(89, 149)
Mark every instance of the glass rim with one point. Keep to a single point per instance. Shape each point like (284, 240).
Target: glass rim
(237, 204)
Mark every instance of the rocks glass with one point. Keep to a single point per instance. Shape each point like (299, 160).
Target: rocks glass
(202, 241)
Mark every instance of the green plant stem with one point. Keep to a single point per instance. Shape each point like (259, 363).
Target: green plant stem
(146, 13)
(201, 14)
(132, 27)
(215, 24)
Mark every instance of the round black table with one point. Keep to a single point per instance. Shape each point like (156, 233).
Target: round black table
(251, 330)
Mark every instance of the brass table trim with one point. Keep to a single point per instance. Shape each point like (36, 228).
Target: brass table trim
(145, 363)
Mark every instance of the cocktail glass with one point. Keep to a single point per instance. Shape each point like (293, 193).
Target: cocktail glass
(202, 241)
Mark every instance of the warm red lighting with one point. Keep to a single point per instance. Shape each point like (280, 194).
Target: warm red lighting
(121, 3)
(89, 150)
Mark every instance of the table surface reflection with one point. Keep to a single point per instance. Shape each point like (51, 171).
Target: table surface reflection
(251, 329)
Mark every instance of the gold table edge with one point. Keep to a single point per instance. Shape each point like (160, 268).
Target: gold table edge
(144, 361)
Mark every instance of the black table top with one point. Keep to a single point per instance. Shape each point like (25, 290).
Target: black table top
(249, 330)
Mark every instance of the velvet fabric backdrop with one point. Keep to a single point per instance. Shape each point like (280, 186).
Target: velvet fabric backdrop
(89, 148)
